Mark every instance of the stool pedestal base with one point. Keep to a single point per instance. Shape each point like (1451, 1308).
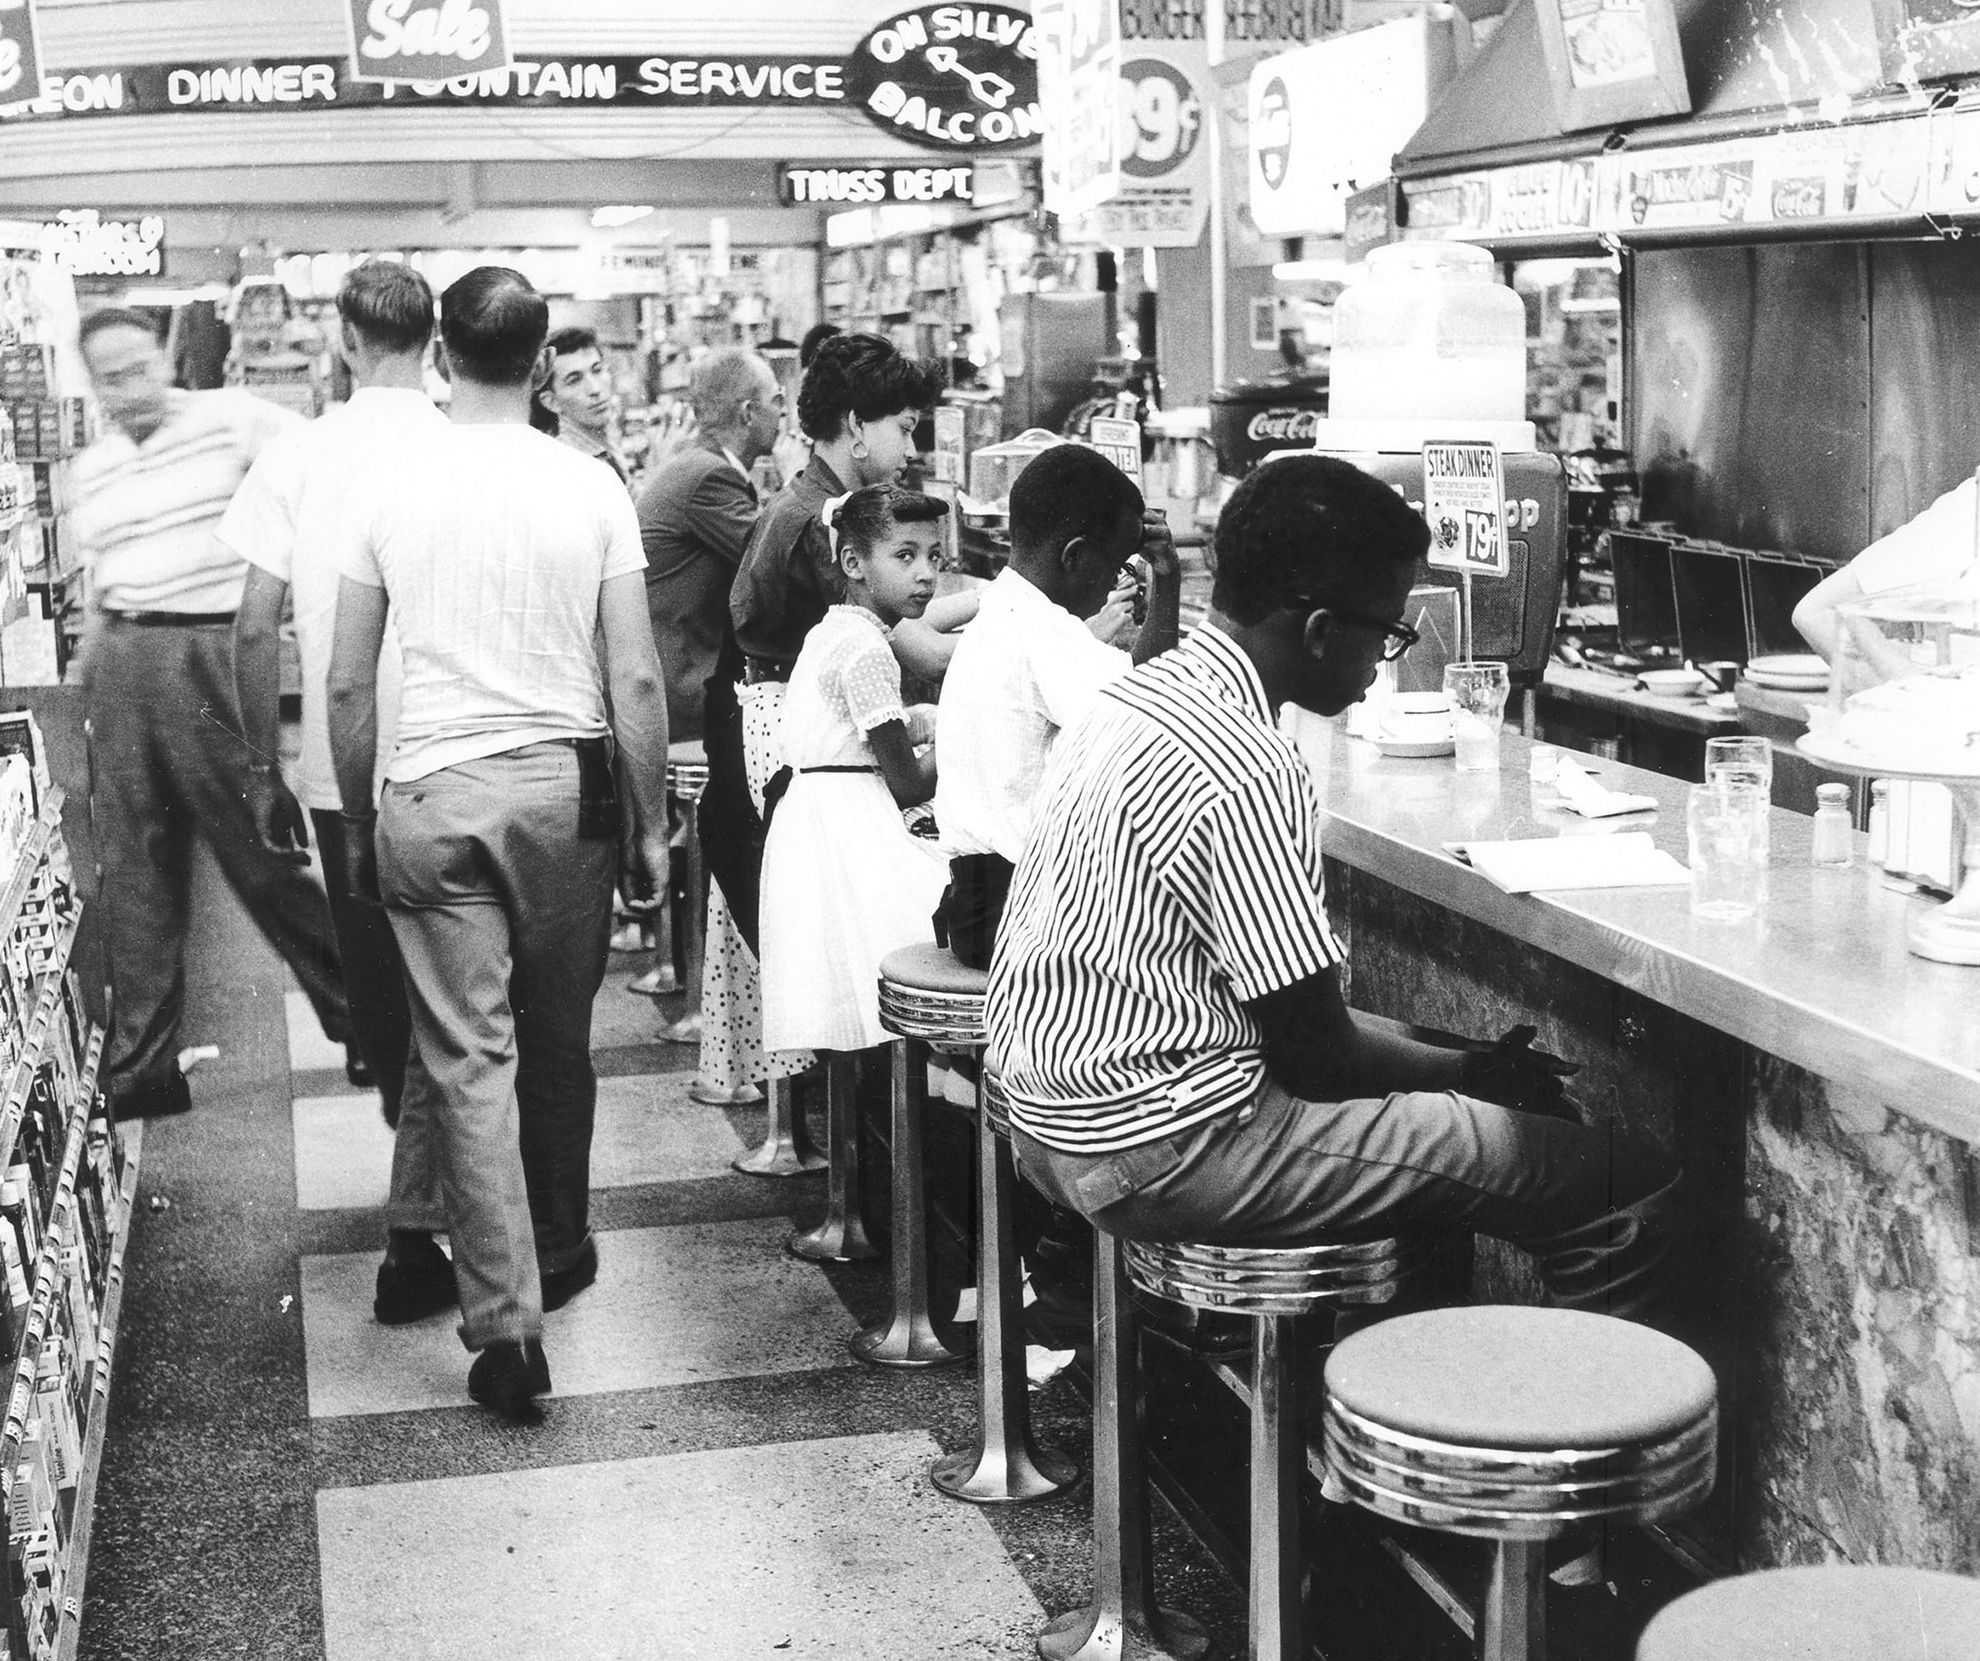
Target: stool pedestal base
(1005, 1467)
(1514, 1624)
(909, 1338)
(1122, 1623)
(786, 1149)
(841, 1237)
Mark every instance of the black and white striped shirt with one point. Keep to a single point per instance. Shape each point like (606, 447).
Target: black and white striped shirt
(1173, 876)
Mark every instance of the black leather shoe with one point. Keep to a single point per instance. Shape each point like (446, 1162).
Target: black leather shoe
(157, 1098)
(565, 1284)
(415, 1280)
(357, 1069)
(508, 1376)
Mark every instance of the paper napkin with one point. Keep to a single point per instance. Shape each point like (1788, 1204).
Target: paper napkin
(1584, 794)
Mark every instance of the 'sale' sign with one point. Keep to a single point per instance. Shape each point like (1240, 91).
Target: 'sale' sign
(426, 40)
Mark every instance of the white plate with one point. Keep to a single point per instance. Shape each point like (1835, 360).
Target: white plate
(1789, 683)
(1674, 683)
(1800, 666)
(1414, 747)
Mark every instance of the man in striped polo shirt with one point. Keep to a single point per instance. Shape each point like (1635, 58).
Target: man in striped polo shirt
(157, 669)
(1165, 1002)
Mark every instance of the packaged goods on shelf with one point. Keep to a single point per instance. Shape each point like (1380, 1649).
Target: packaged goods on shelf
(20, 735)
(27, 372)
(49, 429)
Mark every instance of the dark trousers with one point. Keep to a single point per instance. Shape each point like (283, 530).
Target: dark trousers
(972, 907)
(731, 829)
(374, 973)
(170, 765)
(504, 916)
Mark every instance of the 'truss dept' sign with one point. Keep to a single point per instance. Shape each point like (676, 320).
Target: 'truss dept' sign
(950, 77)
(426, 40)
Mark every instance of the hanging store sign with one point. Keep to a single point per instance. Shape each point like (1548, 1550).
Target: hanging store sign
(1164, 199)
(855, 185)
(1922, 40)
(1370, 220)
(20, 53)
(1538, 202)
(751, 80)
(1329, 118)
(950, 77)
(1079, 86)
(85, 244)
(426, 40)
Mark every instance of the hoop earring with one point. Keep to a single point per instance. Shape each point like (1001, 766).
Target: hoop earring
(859, 450)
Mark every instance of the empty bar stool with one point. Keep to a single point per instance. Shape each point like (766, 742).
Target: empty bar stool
(931, 1000)
(1840, 1612)
(1273, 1285)
(1005, 1466)
(1516, 1425)
(841, 1237)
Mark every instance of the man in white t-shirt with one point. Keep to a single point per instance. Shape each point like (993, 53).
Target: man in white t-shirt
(1029, 666)
(158, 680)
(505, 558)
(1940, 545)
(285, 522)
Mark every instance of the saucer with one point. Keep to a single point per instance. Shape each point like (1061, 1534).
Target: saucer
(1416, 747)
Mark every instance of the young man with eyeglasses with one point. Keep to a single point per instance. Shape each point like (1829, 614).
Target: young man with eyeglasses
(1165, 1004)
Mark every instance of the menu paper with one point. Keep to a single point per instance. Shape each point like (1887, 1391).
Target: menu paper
(1554, 864)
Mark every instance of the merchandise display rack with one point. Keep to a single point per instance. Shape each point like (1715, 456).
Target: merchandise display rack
(64, 1226)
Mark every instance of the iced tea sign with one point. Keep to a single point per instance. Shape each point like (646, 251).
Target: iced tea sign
(1119, 440)
(426, 40)
(1464, 502)
(20, 53)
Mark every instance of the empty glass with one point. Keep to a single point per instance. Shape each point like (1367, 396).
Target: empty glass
(1478, 706)
(1750, 759)
(1727, 824)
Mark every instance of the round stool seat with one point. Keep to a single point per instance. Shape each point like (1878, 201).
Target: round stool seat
(687, 768)
(1266, 1280)
(1512, 1423)
(926, 993)
(1839, 1613)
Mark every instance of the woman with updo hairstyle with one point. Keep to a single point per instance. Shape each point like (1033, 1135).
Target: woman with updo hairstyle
(859, 404)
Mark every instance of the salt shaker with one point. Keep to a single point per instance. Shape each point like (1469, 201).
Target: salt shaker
(1832, 825)
(1880, 820)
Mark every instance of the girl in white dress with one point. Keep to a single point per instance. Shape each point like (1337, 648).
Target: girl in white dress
(844, 882)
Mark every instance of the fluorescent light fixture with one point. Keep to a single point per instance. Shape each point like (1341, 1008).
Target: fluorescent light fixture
(616, 214)
(1312, 271)
(858, 226)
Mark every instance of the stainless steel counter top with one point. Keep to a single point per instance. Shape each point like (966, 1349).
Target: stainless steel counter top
(1821, 977)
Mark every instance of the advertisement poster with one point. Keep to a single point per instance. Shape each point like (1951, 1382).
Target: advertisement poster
(426, 40)
(1164, 200)
(1119, 441)
(1079, 69)
(20, 53)
(1464, 503)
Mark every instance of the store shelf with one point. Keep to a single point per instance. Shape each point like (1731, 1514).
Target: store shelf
(33, 852)
(21, 1080)
(99, 1410)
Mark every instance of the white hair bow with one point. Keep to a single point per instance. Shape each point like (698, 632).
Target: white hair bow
(828, 516)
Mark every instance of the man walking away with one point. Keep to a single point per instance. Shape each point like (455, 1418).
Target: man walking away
(158, 680)
(284, 522)
(503, 556)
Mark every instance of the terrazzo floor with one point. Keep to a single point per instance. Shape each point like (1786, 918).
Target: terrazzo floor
(716, 1478)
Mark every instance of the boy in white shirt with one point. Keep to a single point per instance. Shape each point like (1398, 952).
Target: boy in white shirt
(1029, 666)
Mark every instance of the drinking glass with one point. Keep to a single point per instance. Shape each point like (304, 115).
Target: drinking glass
(1478, 705)
(1727, 822)
(1742, 760)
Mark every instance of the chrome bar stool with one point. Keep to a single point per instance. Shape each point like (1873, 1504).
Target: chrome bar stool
(1005, 1467)
(1515, 1425)
(1273, 1285)
(687, 778)
(1122, 1623)
(841, 1237)
(786, 1149)
(932, 1001)
(1840, 1612)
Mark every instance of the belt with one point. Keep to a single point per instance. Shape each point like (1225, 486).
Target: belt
(757, 670)
(172, 619)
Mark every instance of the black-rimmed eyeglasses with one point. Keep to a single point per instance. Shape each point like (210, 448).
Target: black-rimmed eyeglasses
(1397, 637)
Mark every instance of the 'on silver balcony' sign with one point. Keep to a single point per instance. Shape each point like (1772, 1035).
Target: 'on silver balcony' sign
(426, 40)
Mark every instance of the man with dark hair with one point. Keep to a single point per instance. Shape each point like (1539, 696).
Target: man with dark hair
(287, 522)
(506, 560)
(1165, 1003)
(579, 394)
(695, 515)
(1027, 668)
(161, 592)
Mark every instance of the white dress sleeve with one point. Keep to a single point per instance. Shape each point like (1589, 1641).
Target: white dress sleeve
(870, 678)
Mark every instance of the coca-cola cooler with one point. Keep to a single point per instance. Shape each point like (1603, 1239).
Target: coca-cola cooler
(1250, 420)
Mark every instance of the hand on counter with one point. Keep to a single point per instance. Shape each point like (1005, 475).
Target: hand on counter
(1514, 1074)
